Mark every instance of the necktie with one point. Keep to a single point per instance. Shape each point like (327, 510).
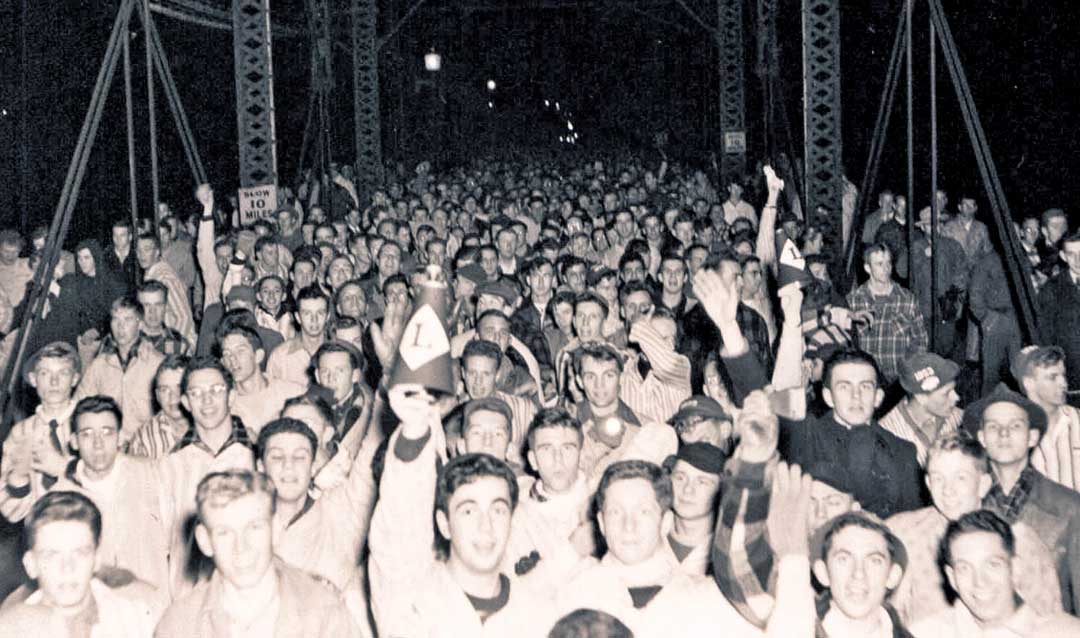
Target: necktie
(54, 437)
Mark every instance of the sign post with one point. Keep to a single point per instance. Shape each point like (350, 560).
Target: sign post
(257, 202)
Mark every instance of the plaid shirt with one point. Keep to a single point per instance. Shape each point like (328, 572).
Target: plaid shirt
(169, 341)
(897, 329)
(1009, 506)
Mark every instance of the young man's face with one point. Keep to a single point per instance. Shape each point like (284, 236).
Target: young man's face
(238, 536)
(223, 255)
(314, 419)
(54, 378)
(1070, 254)
(826, 503)
(97, 437)
(576, 278)
(303, 274)
(495, 329)
(340, 271)
(507, 244)
(941, 402)
(9, 253)
(352, 301)
(489, 261)
(673, 276)
(1055, 229)
(479, 373)
(541, 280)
(239, 357)
(553, 453)
(588, 321)
(487, 432)
(335, 371)
(208, 398)
(631, 520)
(167, 392)
(632, 271)
(637, 304)
(146, 251)
(125, 326)
(879, 267)
(957, 485)
(121, 238)
(477, 522)
(600, 378)
(695, 491)
(153, 303)
(858, 571)
(1047, 384)
(287, 461)
(981, 571)
(312, 317)
(62, 563)
(853, 392)
(751, 278)
(1006, 433)
(270, 294)
(1029, 231)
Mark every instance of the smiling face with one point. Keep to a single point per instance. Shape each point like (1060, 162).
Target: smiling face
(588, 321)
(479, 375)
(957, 485)
(981, 571)
(858, 571)
(208, 398)
(287, 461)
(631, 520)
(477, 523)
(238, 536)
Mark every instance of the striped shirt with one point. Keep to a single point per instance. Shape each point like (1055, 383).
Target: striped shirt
(158, 437)
(656, 395)
(900, 422)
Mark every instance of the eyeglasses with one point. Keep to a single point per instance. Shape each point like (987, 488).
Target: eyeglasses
(216, 391)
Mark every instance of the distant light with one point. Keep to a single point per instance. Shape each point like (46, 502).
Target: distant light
(491, 85)
(432, 61)
(4, 112)
(491, 105)
(561, 139)
(547, 103)
(569, 125)
(556, 106)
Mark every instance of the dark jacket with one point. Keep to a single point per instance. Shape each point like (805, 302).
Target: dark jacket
(525, 324)
(1059, 321)
(126, 271)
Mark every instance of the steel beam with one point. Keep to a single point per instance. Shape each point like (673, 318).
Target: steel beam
(821, 105)
(367, 132)
(729, 40)
(254, 92)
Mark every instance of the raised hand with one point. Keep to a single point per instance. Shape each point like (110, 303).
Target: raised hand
(719, 298)
(205, 195)
(789, 506)
(791, 299)
(772, 180)
(757, 429)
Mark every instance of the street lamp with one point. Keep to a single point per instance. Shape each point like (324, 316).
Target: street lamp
(491, 85)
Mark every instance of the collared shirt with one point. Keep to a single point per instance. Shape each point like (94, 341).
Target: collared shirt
(168, 341)
(237, 434)
(290, 361)
(1058, 454)
(897, 329)
(902, 423)
(155, 439)
(1009, 506)
(1025, 622)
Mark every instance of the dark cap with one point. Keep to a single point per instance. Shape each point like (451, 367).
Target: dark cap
(241, 293)
(973, 415)
(704, 456)
(700, 405)
(500, 288)
(472, 272)
(926, 372)
(598, 272)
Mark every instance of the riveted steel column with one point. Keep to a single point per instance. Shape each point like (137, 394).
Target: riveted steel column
(729, 36)
(368, 132)
(254, 92)
(821, 99)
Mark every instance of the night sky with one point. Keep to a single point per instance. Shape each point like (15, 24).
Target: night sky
(621, 74)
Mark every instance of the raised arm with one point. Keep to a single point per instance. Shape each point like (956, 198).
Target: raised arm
(766, 237)
(204, 247)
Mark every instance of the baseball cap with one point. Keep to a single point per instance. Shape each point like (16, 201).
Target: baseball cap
(704, 456)
(700, 405)
(861, 519)
(926, 372)
(598, 272)
(472, 272)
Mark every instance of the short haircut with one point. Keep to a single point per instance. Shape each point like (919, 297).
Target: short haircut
(671, 255)
(963, 443)
(61, 506)
(589, 296)
(321, 405)
(266, 278)
(154, 285)
(58, 350)
(150, 237)
(628, 257)
(396, 278)
(589, 623)
(11, 237)
(532, 266)
(631, 287)
(556, 417)
(281, 425)
(1051, 213)
(171, 362)
(127, 302)
(858, 519)
(488, 404)
(468, 468)
(218, 489)
(636, 469)
(96, 404)
(874, 249)
(598, 351)
(560, 297)
(488, 314)
(205, 363)
(974, 522)
(482, 348)
(849, 355)
(246, 332)
(264, 241)
(120, 222)
(329, 347)
(311, 292)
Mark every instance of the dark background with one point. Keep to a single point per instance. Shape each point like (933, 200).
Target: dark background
(619, 73)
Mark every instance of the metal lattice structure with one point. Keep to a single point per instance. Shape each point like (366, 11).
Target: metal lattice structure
(729, 36)
(254, 92)
(368, 133)
(821, 104)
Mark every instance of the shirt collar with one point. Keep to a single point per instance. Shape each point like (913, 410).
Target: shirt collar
(238, 435)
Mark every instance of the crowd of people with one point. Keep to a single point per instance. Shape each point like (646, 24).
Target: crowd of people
(637, 406)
